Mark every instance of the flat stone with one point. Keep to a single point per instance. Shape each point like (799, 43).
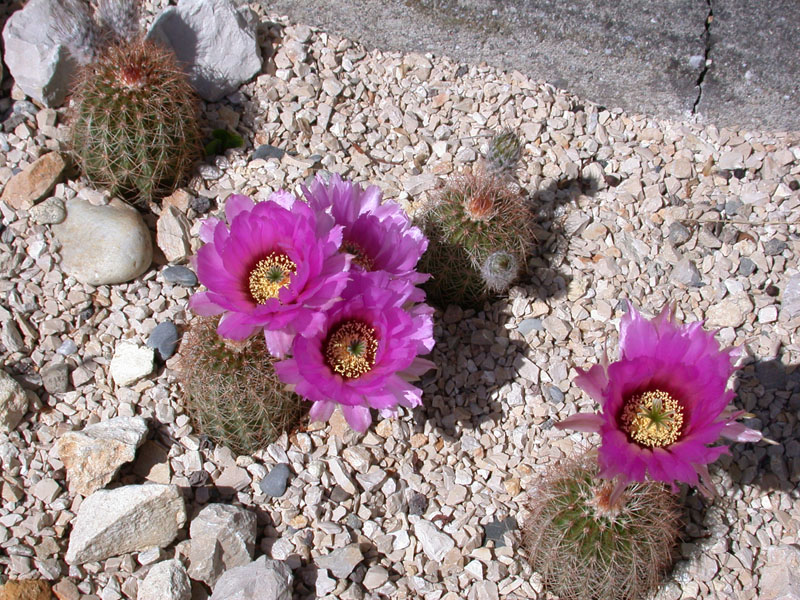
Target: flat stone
(103, 244)
(35, 182)
(130, 363)
(40, 66)
(435, 543)
(164, 339)
(731, 312)
(526, 326)
(93, 455)
(324, 584)
(215, 40)
(375, 577)
(679, 233)
(172, 234)
(780, 577)
(556, 327)
(266, 151)
(223, 537)
(774, 246)
(260, 580)
(127, 519)
(790, 300)
(14, 402)
(180, 275)
(341, 562)
(274, 483)
(166, 580)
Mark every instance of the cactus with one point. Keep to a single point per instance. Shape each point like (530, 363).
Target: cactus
(504, 152)
(135, 117)
(231, 390)
(479, 230)
(588, 545)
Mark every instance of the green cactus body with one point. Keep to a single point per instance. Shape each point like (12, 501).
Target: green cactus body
(135, 123)
(232, 392)
(474, 218)
(504, 152)
(585, 547)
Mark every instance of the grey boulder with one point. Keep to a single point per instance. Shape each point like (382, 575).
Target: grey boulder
(223, 536)
(215, 41)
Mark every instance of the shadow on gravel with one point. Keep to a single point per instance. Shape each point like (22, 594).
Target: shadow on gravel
(771, 391)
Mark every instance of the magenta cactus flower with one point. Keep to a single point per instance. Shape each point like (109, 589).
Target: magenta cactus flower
(378, 234)
(275, 266)
(365, 353)
(663, 403)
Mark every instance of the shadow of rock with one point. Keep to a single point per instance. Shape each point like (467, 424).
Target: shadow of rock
(770, 390)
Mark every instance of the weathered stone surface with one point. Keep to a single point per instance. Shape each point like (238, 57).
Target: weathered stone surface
(686, 272)
(130, 363)
(262, 578)
(34, 182)
(55, 378)
(40, 66)
(780, 578)
(166, 580)
(342, 561)
(14, 402)
(127, 519)
(215, 40)
(223, 537)
(731, 312)
(48, 212)
(103, 244)
(172, 235)
(790, 300)
(25, 589)
(435, 543)
(93, 456)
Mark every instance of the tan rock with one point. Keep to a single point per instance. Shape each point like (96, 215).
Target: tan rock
(14, 402)
(172, 235)
(93, 456)
(35, 182)
(26, 589)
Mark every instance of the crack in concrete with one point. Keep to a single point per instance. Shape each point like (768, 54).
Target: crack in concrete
(706, 55)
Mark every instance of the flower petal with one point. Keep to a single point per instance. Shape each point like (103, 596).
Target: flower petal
(739, 433)
(236, 204)
(582, 422)
(358, 417)
(321, 411)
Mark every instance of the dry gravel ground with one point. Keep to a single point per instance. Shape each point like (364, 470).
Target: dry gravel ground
(629, 207)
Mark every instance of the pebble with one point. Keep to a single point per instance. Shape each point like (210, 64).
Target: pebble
(164, 339)
(686, 273)
(731, 312)
(55, 378)
(274, 483)
(266, 151)
(35, 182)
(166, 580)
(435, 543)
(49, 212)
(14, 401)
(179, 275)
(130, 363)
(341, 562)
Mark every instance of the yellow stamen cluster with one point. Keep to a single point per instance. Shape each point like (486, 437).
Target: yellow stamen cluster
(350, 349)
(360, 256)
(653, 418)
(270, 275)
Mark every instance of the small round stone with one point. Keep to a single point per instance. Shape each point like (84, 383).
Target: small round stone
(180, 275)
(164, 338)
(274, 483)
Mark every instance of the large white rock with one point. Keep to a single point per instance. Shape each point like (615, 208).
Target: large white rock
(128, 519)
(14, 402)
(223, 537)
(41, 67)
(166, 580)
(215, 41)
(780, 577)
(435, 543)
(93, 456)
(261, 579)
(130, 363)
(103, 244)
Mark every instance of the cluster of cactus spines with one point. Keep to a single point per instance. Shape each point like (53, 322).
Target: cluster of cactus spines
(505, 149)
(480, 229)
(135, 123)
(231, 390)
(585, 547)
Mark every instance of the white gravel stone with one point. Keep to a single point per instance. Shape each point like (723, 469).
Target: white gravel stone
(222, 537)
(14, 402)
(166, 580)
(131, 363)
(260, 579)
(435, 543)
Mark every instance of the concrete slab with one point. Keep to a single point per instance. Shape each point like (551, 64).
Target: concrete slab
(643, 56)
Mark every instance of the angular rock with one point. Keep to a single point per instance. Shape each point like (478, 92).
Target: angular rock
(163, 338)
(166, 580)
(342, 561)
(262, 578)
(223, 537)
(435, 543)
(34, 182)
(93, 456)
(731, 312)
(375, 577)
(14, 402)
(26, 589)
(215, 41)
(55, 378)
(324, 584)
(779, 578)
(172, 235)
(40, 66)
(790, 301)
(103, 244)
(130, 363)
(127, 519)
(686, 272)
